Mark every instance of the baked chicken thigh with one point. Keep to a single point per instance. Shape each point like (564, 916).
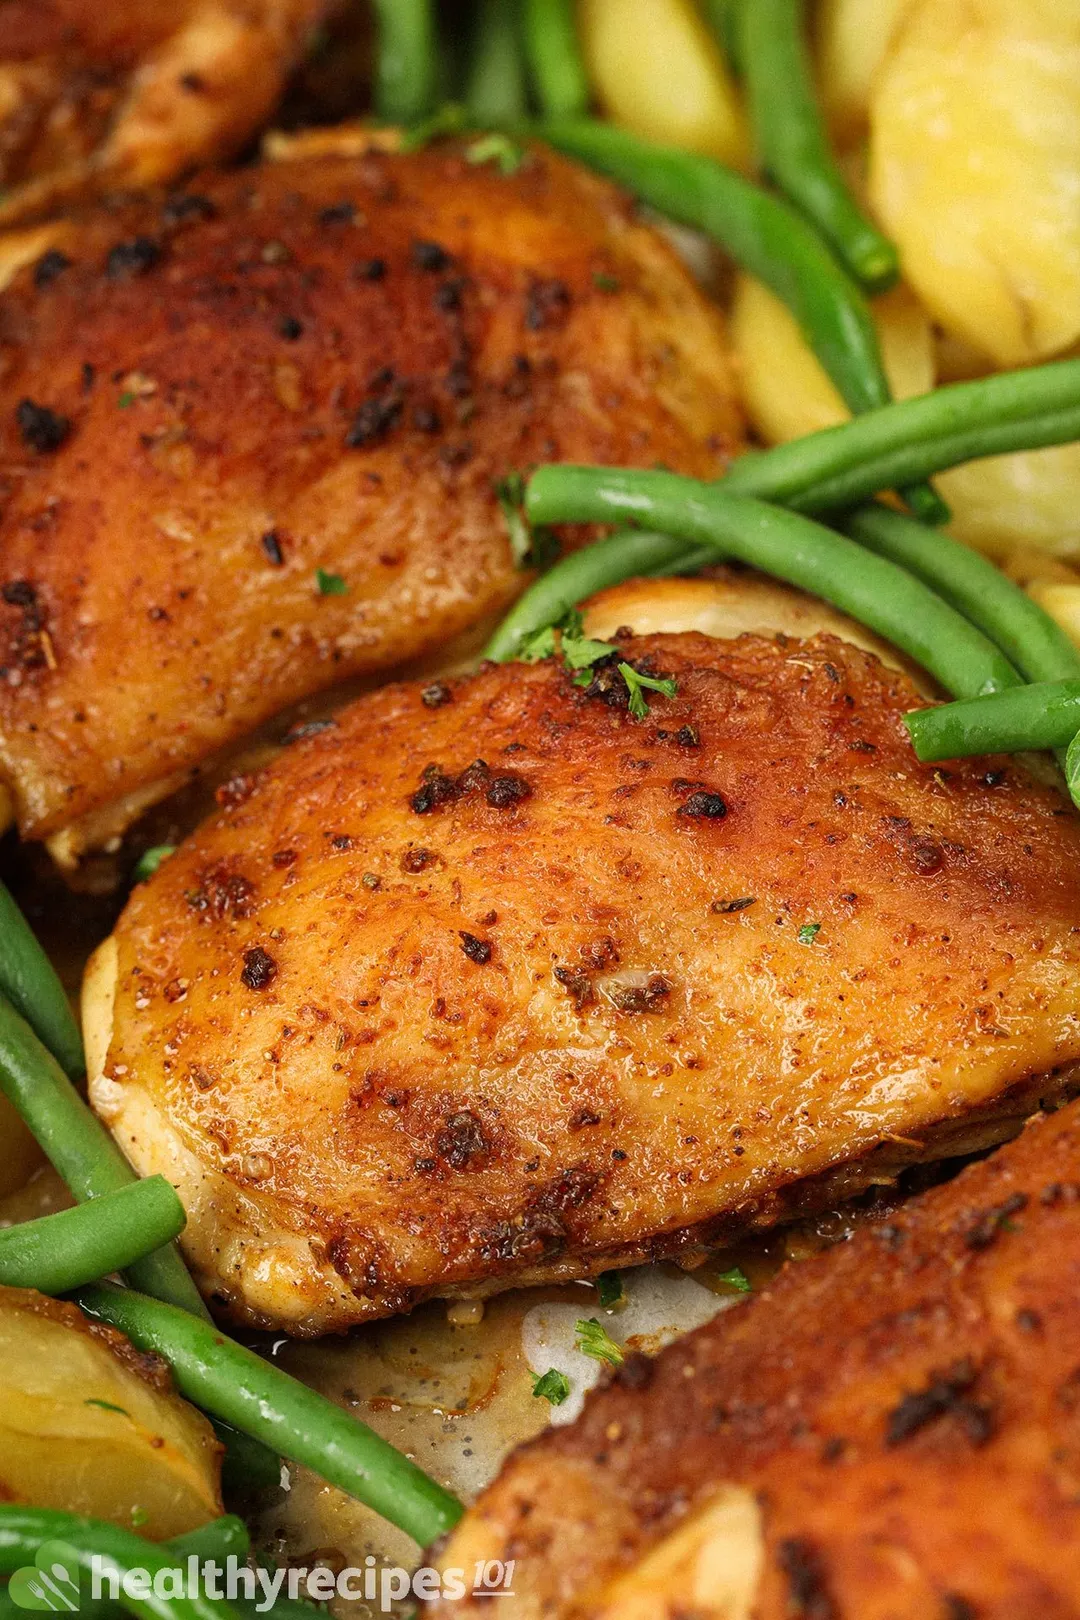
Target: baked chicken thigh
(889, 1432)
(250, 438)
(103, 94)
(491, 982)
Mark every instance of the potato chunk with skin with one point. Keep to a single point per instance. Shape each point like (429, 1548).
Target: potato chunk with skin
(975, 130)
(91, 1425)
(658, 71)
(785, 389)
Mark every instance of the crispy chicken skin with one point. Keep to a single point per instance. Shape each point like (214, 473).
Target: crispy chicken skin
(110, 93)
(889, 1432)
(491, 983)
(312, 365)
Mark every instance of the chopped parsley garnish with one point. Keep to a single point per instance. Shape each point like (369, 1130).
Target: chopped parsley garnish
(736, 1278)
(107, 1406)
(126, 399)
(603, 282)
(609, 1287)
(150, 860)
(450, 119)
(592, 1340)
(580, 652)
(553, 1386)
(498, 149)
(808, 933)
(330, 584)
(139, 1517)
(639, 684)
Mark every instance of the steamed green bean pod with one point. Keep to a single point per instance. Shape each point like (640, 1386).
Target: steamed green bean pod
(1043, 715)
(406, 60)
(29, 981)
(234, 1383)
(792, 140)
(763, 234)
(79, 1146)
(495, 90)
(1024, 631)
(829, 565)
(112, 1233)
(554, 58)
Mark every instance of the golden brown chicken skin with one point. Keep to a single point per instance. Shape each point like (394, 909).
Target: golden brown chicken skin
(889, 1432)
(99, 94)
(250, 437)
(491, 983)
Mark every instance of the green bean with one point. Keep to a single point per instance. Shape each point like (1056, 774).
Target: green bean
(78, 1145)
(969, 582)
(94, 1542)
(59, 1252)
(791, 547)
(495, 92)
(29, 981)
(1045, 715)
(763, 234)
(234, 1383)
(723, 15)
(555, 65)
(792, 140)
(406, 69)
(222, 1538)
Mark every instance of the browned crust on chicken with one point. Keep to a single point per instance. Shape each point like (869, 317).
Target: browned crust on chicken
(107, 93)
(400, 1023)
(309, 365)
(904, 1411)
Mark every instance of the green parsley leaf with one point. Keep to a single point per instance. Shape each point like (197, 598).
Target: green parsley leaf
(139, 1517)
(736, 1278)
(1072, 770)
(107, 1406)
(539, 645)
(605, 283)
(553, 1386)
(593, 1341)
(330, 584)
(150, 860)
(808, 933)
(579, 652)
(496, 148)
(125, 399)
(609, 1286)
(449, 119)
(638, 685)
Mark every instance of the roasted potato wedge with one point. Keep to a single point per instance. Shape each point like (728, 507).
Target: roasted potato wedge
(658, 71)
(975, 127)
(785, 390)
(853, 39)
(91, 1425)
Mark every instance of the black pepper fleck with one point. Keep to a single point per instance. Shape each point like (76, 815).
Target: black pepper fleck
(477, 950)
(41, 428)
(259, 968)
(372, 422)
(132, 258)
(430, 256)
(707, 806)
(49, 266)
(271, 544)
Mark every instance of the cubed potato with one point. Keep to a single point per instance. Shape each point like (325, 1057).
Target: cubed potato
(853, 39)
(1026, 500)
(975, 131)
(785, 389)
(659, 71)
(91, 1425)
